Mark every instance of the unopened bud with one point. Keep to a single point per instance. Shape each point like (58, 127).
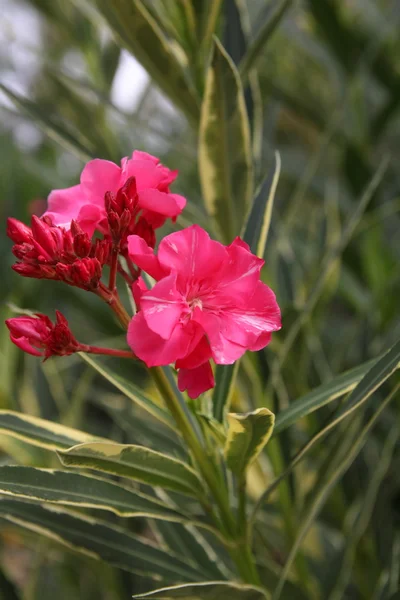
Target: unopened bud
(18, 232)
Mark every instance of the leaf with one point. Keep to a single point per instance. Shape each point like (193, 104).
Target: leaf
(322, 395)
(255, 231)
(140, 33)
(131, 391)
(225, 377)
(210, 590)
(7, 589)
(340, 463)
(49, 126)
(247, 435)
(61, 487)
(135, 462)
(40, 432)
(100, 540)
(267, 29)
(225, 161)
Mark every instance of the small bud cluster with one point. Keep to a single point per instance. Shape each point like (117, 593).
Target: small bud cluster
(45, 251)
(40, 337)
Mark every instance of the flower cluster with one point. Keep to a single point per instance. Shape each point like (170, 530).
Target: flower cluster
(208, 302)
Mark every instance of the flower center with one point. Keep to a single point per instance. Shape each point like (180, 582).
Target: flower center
(195, 303)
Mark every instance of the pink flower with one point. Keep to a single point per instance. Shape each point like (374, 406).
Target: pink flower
(208, 303)
(38, 336)
(85, 202)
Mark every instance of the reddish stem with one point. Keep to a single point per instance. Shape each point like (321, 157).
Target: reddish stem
(107, 351)
(113, 300)
(113, 269)
(125, 275)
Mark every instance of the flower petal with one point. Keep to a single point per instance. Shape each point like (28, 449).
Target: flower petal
(162, 306)
(224, 351)
(191, 253)
(64, 205)
(143, 256)
(98, 177)
(200, 354)
(196, 381)
(153, 349)
(168, 205)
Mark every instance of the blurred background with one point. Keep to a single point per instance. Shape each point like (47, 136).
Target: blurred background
(79, 80)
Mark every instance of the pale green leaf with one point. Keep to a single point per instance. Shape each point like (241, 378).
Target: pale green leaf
(135, 462)
(142, 35)
(100, 540)
(255, 231)
(75, 489)
(40, 432)
(225, 158)
(210, 590)
(247, 435)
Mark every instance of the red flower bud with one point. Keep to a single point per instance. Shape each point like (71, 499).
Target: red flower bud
(18, 232)
(144, 230)
(38, 336)
(43, 239)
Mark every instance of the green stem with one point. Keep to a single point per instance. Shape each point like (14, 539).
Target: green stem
(107, 351)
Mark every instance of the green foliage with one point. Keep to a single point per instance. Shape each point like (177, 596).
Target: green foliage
(282, 118)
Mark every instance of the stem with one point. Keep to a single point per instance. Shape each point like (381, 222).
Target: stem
(207, 468)
(113, 269)
(107, 351)
(113, 300)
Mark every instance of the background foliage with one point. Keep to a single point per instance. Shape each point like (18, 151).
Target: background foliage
(320, 82)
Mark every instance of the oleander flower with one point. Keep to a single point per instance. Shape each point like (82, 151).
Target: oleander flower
(85, 202)
(39, 336)
(208, 303)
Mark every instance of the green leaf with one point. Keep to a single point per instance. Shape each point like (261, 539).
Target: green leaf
(100, 540)
(7, 589)
(61, 487)
(225, 160)
(40, 432)
(340, 463)
(225, 377)
(210, 590)
(267, 29)
(140, 33)
(131, 391)
(247, 435)
(49, 126)
(255, 231)
(135, 462)
(322, 395)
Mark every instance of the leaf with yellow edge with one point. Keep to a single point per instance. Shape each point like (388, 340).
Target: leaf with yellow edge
(135, 462)
(247, 435)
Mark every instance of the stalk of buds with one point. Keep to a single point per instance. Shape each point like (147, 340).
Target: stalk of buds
(45, 251)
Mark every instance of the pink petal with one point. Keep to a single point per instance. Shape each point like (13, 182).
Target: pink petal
(139, 155)
(98, 177)
(90, 218)
(191, 253)
(196, 381)
(244, 326)
(200, 354)
(161, 202)
(64, 205)
(24, 344)
(162, 306)
(146, 173)
(143, 256)
(262, 341)
(153, 349)
(224, 351)
(241, 275)
(138, 289)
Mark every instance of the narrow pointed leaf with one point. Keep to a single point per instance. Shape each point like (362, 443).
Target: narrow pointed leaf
(255, 231)
(142, 35)
(210, 590)
(75, 489)
(49, 126)
(130, 391)
(247, 435)
(135, 462)
(225, 160)
(42, 433)
(266, 30)
(100, 540)
(322, 395)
